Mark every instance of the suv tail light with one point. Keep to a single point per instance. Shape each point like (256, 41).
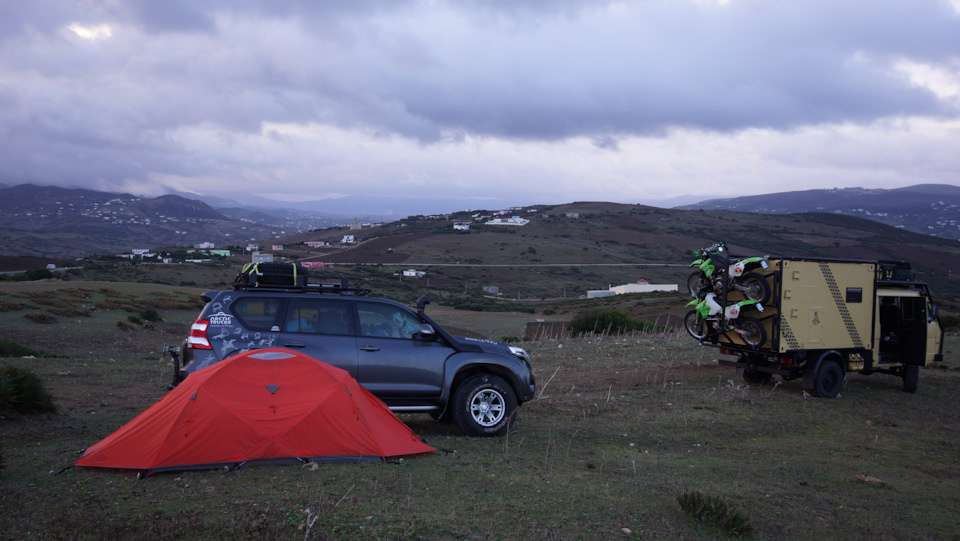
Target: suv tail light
(198, 335)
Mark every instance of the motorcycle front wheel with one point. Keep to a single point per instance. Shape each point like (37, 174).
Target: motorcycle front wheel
(695, 282)
(751, 331)
(695, 325)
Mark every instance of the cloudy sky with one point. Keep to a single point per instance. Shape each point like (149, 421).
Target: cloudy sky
(467, 102)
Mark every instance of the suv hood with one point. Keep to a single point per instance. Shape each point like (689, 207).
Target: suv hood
(487, 346)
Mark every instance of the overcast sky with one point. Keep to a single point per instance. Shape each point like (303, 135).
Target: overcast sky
(471, 101)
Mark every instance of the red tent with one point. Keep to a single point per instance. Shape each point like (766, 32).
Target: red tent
(262, 406)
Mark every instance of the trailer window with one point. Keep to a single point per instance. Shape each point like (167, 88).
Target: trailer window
(854, 294)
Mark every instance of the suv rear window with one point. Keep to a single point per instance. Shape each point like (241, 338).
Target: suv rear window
(257, 313)
(313, 316)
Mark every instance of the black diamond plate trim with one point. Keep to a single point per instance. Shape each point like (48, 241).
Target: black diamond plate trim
(841, 304)
(787, 333)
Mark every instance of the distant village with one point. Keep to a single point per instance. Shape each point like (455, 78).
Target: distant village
(205, 252)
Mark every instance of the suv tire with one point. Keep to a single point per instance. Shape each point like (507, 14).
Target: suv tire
(484, 405)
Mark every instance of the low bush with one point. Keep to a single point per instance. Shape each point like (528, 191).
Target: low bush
(13, 349)
(22, 391)
(608, 321)
(712, 509)
(39, 317)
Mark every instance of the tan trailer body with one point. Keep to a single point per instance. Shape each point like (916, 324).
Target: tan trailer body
(825, 304)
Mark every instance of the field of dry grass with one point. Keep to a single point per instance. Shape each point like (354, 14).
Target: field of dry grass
(620, 426)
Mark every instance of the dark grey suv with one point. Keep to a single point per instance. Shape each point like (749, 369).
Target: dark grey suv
(400, 355)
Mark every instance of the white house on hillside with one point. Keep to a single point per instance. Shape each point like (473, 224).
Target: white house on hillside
(642, 286)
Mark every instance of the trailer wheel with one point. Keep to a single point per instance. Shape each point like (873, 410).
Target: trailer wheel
(911, 377)
(828, 380)
(755, 287)
(695, 325)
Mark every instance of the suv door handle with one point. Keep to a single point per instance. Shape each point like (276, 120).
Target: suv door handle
(369, 348)
(294, 345)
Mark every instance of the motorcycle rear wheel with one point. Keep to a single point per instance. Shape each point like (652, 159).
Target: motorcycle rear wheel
(695, 325)
(754, 287)
(752, 331)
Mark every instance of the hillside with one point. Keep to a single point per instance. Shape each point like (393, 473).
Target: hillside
(63, 223)
(567, 249)
(932, 209)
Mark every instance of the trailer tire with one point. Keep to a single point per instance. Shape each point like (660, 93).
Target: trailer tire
(911, 377)
(695, 325)
(755, 287)
(828, 380)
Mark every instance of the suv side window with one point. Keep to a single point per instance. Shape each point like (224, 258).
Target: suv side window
(386, 321)
(257, 313)
(313, 316)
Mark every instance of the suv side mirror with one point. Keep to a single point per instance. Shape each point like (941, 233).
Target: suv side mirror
(427, 332)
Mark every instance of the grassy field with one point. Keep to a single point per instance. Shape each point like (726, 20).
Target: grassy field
(620, 427)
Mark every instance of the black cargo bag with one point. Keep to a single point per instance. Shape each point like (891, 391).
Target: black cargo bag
(272, 274)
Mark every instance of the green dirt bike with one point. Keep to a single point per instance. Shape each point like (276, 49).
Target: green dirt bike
(717, 271)
(709, 319)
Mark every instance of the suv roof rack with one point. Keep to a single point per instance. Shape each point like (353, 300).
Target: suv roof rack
(292, 277)
(321, 288)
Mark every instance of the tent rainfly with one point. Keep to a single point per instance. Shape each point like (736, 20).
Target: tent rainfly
(266, 406)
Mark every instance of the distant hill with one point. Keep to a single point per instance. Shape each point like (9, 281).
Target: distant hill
(931, 209)
(591, 245)
(61, 223)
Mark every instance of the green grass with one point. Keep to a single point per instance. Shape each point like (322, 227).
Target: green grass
(620, 427)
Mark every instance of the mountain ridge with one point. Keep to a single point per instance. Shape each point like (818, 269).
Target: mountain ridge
(932, 209)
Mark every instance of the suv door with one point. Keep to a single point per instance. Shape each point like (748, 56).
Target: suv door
(322, 329)
(395, 361)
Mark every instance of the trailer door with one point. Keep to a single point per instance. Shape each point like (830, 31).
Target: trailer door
(913, 331)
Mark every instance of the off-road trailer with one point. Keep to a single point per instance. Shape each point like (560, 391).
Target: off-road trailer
(829, 317)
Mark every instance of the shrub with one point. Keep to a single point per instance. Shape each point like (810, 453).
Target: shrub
(134, 319)
(13, 349)
(40, 317)
(124, 326)
(22, 391)
(34, 274)
(603, 321)
(711, 509)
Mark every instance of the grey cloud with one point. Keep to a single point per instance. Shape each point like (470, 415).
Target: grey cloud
(439, 72)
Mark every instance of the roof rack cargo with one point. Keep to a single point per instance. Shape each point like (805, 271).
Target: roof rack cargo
(292, 277)
(895, 271)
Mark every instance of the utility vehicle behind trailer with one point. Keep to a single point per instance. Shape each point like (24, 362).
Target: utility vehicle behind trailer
(828, 317)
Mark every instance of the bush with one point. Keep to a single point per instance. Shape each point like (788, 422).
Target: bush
(34, 274)
(40, 317)
(22, 391)
(604, 321)
(13, 349)
(709, 509)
